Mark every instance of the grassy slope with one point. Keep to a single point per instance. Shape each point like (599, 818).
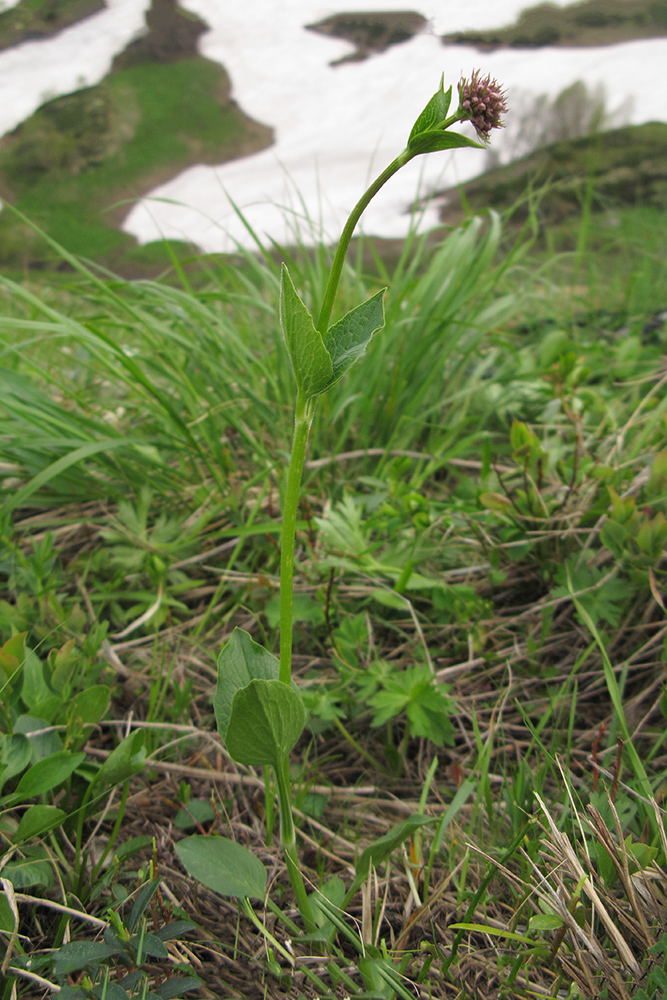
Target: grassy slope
(73, 166)
(191, 395)
(592, 22)
(622, 167)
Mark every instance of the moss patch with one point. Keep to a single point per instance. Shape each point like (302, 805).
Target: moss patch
(372, 31)
(593, 22)
(35, 19)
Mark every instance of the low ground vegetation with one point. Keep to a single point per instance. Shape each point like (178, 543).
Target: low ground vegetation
(30, 20)
(591, 22)
(480, 596)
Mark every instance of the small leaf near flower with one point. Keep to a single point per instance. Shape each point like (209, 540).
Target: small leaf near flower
(431, 142)
(433, 114)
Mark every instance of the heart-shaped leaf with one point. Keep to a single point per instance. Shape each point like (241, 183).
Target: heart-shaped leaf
(347, 339)
(223, 866)
(310, 358)
(241, 660)
(266, 720)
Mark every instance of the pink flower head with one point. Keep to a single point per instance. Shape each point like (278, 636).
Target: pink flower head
(482, 101)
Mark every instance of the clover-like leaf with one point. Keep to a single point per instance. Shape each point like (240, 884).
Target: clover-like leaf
(347, 339)
(266, 720)
(310, 358)
(241, 660)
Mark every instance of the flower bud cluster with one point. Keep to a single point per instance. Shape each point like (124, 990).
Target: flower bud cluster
(482, 101)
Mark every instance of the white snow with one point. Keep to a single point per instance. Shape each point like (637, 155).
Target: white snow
(335, 127)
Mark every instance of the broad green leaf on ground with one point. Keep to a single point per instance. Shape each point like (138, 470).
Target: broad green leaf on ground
(80, 955)
(150, 944)
(266, 720)
(34, 868)
(241, 660)
(88, 707)
(310, 358)
(196, 813)
(12, 655)
(36, 820)
(34, 688)
(46, 775)
(128, 759)
(15, 754)
(224, 866)
(44, 742)
(347, 339)
(175, 986)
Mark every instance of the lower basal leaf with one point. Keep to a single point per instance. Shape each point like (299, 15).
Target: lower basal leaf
(224, 866)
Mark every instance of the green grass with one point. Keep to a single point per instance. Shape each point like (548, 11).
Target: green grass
(479, 576)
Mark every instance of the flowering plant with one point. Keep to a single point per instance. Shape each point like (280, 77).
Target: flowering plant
(259, 711)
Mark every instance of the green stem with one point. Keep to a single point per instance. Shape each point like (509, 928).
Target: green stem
(252, 916)
(288, 838)
(346, 236)
(303, 418)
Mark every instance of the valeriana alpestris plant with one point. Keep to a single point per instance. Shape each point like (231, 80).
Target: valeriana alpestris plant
(259, 711)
